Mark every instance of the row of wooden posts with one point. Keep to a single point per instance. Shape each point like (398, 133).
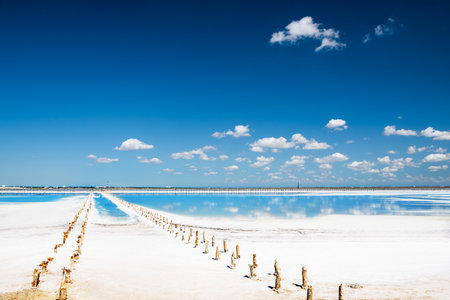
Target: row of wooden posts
(42, 268)
(176, 228)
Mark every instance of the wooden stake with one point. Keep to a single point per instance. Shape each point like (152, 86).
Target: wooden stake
(277, 269)
(309, 293)
(225, 246)
(204, 238)
(36, 278)
(238, 252)
(63, 291)
(277, 282)
(196, 242)
(206, 247)
(254, 260)
(232, 264)
(217, 253)
(252, 271)
(340, 293)
(304, 277)
(212, 242)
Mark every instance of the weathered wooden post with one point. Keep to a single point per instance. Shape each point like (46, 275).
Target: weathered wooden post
(206, 247)
(340, 292)
(254, 260)
(196, 242)
(238, 252)
(304, 277)
(277, 269)
(252, 271)
(182, 237)
(309, 293)
(277, 282)
(212, 242)
(204, 238)
(36, 278)
(63, 291)
(217, 253)
(232, 264)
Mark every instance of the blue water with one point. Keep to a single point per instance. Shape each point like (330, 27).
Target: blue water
(12, 198)
(293, 206)
(106, 207)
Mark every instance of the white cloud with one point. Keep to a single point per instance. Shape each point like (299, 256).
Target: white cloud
(232, 168)
(102, 160)
(335, 157)
(277, 144)
(363, 166)
(315, 145)
(414, 149)
(223, 157)
(200, 152)
(210, 173)
(436, 134)
(295, 160)
(241, 159)
(436, 157)
(392, 152)
(231, 209)
(239, 130)
(133, 144)
(437, 168)
(391, 130)
(325, 166)
(384, 160)
(336, 124)
(381, 30)
(440, 150)
(306, 28)
(168, 170)
(145, 160)
(262, 161)
(350, 142)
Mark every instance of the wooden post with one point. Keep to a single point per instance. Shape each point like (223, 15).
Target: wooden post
(238, 252)
(196, 242)
(63, 291)
(309, 293)
(277, 269)
(340, 294)
(204, 238)
(182, 237)
(212, 242)
(254, 260)
(225, 250)
(36, 278)
(217, 253)
(232, 264)
(252, 271)
(206, 247)
(304, 277)
(277, 282)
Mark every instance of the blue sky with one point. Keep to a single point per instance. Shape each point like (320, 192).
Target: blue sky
(79, 79)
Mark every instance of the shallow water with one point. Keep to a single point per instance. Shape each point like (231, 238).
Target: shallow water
(292, 206)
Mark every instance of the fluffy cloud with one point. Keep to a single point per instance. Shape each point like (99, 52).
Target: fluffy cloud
(133, 144)
(210, 173)
(391, 130)
(306, 28)
(393, 165)
(437, 168)
(262, 161)
(335, 157)
(325, 166)
(145, 160)
(381, 30)
(414, 149)
(200, 152)
(223, 157)
(231, 168)
(276, 144)
(363, 166)
(436, 157)
(102, 160)
(168, 170)
(239, 130)
(241, 159)
(384, 160)
(436, 134)
(337, 124)
(296, 161)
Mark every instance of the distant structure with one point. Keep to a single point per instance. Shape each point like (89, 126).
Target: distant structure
(298, 184)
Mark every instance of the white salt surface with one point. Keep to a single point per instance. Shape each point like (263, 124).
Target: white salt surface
(403, 257)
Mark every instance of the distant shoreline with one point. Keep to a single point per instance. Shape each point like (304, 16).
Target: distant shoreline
(179, 190)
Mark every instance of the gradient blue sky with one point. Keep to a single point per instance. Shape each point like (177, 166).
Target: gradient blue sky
(78, 78)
